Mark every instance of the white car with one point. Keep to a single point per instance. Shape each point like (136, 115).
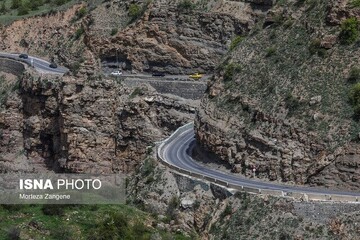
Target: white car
(116, 73)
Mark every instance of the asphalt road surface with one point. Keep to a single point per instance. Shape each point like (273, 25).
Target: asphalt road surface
(178, 153)
(40, 65)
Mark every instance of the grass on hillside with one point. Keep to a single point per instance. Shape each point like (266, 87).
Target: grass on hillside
(78, 222)
(11, 15)
(286, 64)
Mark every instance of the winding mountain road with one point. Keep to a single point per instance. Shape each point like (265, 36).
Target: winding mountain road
(40, 65)
(176, 151)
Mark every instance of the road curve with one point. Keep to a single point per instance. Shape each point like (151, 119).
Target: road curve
(177, 151)
(40, 65)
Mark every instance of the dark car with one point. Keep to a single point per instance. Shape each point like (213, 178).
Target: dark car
(24, 56)
(53, 65)
(158, 74)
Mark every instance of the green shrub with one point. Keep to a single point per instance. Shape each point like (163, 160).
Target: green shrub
(355, 3)
(60, 2)
(80, 31)
(186, 6)
(137, 92)
(34, 4)
(12, 208)
(354, 75)
(148, 167)
(75, 67)
(349, 31)
(3, 8)
(292, 103)
(140, 231)
(235, 42)
(315, 48)
(355, 94)
(13, 233)
(53, 210)
(197, 204)
(114, 31)
(114, 226)
(227, 211)
(230, 71)
(173, 205)
(150, 179)
(270, 51)
(278, 19)
(81, 12)
(63, 233)
(134, 11)
(354, 97)
(15, 4)
(23, 10)
(174, 202)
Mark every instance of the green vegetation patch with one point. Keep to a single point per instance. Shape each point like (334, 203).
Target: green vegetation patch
(136, 10)
(186, 6)
(114, 31)
(355, 3)
(354, 97)
(349, 31)
(83, 222)
(11, 10)
(230, 70)
(315, 48)
(270, 51)
(138, 91)
(79, 32)
(354, 75)
(235, 42)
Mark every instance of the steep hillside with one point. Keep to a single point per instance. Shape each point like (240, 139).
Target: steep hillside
(171, 36)
(279, 101)
(82, 125)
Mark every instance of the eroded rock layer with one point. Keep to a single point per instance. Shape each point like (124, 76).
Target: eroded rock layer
(78, 125)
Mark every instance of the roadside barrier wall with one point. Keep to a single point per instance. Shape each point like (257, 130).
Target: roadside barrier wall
(11, 66)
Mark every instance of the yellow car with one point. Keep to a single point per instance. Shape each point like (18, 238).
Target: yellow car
(196, 76)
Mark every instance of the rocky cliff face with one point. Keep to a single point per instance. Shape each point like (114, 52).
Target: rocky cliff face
(84, 125)
(279, 101)
(167, 39)
(162, 37)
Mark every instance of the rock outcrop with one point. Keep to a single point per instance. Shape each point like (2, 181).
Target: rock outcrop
(163, 37)
(169, 41)
(79, 125)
